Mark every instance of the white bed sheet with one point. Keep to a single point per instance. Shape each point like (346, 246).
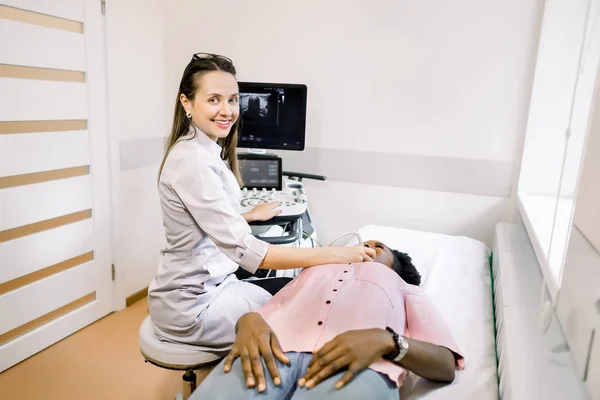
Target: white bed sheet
(456, 276)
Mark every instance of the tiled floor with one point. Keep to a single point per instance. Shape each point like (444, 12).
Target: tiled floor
(100, 362)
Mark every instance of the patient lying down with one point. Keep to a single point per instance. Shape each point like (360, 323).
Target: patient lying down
(339, 332)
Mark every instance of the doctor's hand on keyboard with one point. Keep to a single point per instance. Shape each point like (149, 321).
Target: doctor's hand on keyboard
(263, 212)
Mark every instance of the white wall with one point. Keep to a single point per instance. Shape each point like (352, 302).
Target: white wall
(426, 78)
(395, 78)
(430, 77)
(134, 30)
(438, 78)
(337, 207)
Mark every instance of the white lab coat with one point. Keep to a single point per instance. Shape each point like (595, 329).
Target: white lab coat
(195, 297)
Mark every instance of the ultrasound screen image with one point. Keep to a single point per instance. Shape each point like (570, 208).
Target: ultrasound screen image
(259, 108)
(273, 116)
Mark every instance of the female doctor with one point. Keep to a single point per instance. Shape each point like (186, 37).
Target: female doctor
(195, 297)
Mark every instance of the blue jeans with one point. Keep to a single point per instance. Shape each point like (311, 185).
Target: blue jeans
(368, 384)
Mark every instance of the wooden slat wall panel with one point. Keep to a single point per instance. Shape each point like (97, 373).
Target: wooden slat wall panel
(67, 9)
(41, 74)
(38, 152)
(54, 48)
(22, 231)
(45, 272)
(35, 100)
(28, 344)
(44, 319)
(12, 127)
(45, 296)
(46, 176)
(29, 204)
(55, 273)
(32, 253)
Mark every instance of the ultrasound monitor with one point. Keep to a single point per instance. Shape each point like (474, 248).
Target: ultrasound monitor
(273, 116)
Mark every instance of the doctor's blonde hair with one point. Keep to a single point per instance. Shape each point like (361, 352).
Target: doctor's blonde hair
(190, 82)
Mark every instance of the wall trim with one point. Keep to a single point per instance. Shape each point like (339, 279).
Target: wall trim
(413, 171)
(137, 296)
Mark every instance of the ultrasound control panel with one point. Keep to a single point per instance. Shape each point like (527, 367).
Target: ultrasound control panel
(293, 199)
(262, 182)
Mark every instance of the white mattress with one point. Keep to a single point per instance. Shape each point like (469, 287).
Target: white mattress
(456, 276)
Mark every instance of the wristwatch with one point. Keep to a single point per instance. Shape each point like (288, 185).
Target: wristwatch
(401, 347)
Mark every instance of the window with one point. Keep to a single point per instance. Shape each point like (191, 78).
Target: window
(559, 115)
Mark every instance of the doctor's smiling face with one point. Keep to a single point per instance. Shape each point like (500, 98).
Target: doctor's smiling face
(207, 104)
(215, 106)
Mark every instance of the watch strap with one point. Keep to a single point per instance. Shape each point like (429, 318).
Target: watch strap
(403, 344)
(394, 353)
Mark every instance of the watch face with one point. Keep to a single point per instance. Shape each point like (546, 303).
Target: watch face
(403, 345)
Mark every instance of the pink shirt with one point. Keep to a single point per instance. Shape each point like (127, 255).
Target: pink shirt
(327, 300)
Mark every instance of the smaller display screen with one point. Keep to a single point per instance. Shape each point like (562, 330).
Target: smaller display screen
(261, 173)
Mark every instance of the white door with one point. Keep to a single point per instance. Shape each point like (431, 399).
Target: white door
(55, 269)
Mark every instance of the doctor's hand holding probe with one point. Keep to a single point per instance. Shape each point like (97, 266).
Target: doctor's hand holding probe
(195, 297)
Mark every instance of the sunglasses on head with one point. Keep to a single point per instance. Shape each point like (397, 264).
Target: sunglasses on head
(209, 56)
(205, 56)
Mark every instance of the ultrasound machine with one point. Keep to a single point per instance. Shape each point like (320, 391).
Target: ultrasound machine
(273, 117)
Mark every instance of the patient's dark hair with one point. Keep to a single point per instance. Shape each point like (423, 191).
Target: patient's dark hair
(404, 267)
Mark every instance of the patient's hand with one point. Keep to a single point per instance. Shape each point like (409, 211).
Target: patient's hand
(254, 340)
(354, 350)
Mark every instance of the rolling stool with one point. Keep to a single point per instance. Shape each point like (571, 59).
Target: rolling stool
(171, 356)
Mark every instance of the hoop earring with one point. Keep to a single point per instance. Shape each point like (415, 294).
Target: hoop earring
(188, 115)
